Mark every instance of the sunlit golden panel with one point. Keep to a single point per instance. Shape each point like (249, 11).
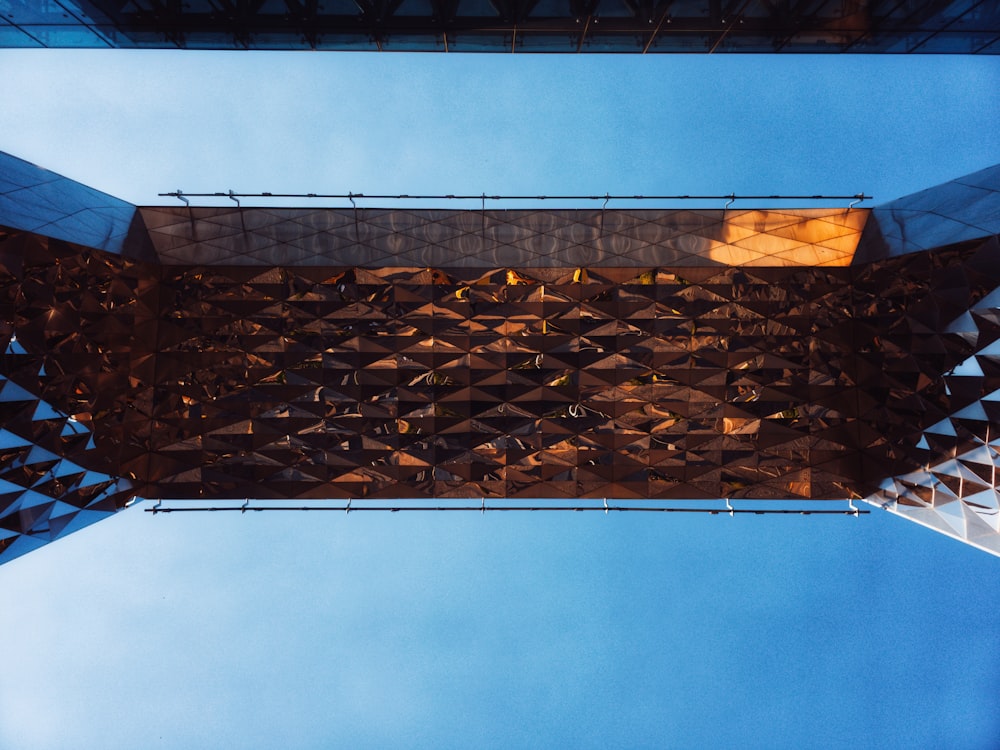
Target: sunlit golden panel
(816, 237)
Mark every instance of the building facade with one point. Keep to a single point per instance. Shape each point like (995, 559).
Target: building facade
(716, 360)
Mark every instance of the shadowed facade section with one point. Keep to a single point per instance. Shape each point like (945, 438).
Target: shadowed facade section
(293, 354)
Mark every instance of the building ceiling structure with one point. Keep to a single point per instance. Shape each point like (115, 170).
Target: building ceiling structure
(778, 360)
(562, 26)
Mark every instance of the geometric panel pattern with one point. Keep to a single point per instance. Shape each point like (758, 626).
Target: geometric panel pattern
(658, 382)
(776, 357)
(335, 382)
(956, 490)
(43, 494)
(494, 239)
(764, 26)
(37, 200)
(967, 208)
(54, 479)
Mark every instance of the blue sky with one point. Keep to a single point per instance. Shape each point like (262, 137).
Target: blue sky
(446, 630)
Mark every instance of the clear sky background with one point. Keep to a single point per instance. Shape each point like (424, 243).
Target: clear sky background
(447, 630)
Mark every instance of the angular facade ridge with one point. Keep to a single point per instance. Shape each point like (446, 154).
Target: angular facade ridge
(33, 199)
(967, 208)
(955, 492)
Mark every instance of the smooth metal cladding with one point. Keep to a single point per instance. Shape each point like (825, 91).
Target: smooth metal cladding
(295, 354)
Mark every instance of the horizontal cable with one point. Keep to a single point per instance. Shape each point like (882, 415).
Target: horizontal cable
(484, 197)
(484, 508)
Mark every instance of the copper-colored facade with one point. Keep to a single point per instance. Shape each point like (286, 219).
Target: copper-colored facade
(291, 354)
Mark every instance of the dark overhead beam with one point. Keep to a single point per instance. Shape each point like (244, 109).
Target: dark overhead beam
(647, 25)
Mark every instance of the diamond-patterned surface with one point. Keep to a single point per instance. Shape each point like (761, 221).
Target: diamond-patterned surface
(672, 355)
(54, 476)
(401, 382)
(956, 490)
(231, 381)
(44, 494)
(497, 239)
(967, 208)
(37, 200)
